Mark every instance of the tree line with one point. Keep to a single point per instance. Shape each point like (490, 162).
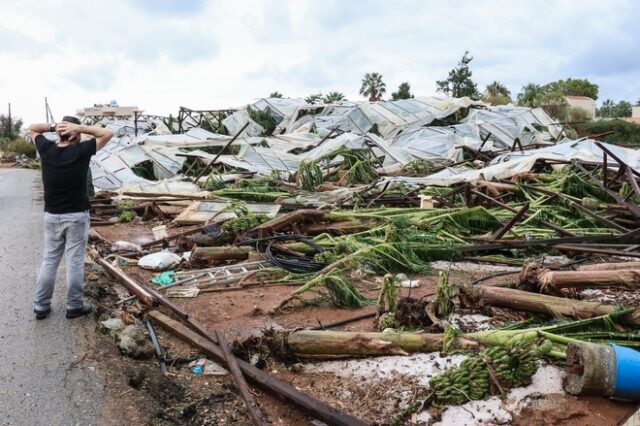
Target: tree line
(459, 83)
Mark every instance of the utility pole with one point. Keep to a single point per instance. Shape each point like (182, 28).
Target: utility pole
(10, 123)
(47, 112)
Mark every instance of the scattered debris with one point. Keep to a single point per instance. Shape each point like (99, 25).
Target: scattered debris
(159, 261)
(133, 341)
(533, 236)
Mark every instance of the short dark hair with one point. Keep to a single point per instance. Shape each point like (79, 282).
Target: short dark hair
(71, 119)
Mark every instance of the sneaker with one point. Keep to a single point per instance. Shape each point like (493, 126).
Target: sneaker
(79, 312)
(40, 315)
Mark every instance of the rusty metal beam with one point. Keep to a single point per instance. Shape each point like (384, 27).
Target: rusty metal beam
(507, 226)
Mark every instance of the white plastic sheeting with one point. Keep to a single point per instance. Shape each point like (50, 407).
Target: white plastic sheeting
(111, 167)
(238, 119)
(390, 117)
(506, 123)
(263, 160)
(404, 125)
(509, 165)
(173, 186)
(193, 138)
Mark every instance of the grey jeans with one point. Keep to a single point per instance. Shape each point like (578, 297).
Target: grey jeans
(63, 233)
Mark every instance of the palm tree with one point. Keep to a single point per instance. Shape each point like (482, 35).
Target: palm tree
(607, 109)
(275, 94)
(373, 86)
(532, 95)
(497, 89)
(315, 98)
(333, 97)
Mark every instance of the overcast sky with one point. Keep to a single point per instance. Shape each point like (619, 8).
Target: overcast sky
(161, 54)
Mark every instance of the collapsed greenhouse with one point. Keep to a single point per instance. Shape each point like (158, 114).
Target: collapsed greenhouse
(420, 261)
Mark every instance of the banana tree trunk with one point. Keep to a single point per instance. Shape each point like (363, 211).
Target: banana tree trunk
(533, 302)
(312, 343)
(610, 266)
(221, 253)
(590, 278)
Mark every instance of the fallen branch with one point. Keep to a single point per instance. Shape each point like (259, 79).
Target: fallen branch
(234, 369)
(132, 285)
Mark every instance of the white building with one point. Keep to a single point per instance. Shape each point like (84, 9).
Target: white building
(100, 111)
(583, 102)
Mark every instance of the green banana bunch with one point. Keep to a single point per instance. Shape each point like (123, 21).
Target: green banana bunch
(469, 381)
(513, 365)
(244, 223)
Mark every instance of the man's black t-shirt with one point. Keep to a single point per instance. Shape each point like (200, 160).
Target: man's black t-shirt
(64, 174)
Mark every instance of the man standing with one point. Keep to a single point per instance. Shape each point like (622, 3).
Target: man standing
(66, 204)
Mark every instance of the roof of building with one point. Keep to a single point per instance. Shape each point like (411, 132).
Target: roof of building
(108, 110)
(582, 98)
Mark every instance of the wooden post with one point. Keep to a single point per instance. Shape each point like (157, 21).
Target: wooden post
(10, 123)
(142, 293)
(234, 369)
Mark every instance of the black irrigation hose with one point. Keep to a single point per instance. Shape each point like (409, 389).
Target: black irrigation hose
(295, 264)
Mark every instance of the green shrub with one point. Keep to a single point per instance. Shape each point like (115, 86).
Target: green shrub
(624, 132)
(17, 146)
(577, 114)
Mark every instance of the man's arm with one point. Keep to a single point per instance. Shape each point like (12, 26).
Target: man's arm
(38, 129)
(102, 134)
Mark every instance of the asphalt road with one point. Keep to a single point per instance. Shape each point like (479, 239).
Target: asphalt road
(43, 379)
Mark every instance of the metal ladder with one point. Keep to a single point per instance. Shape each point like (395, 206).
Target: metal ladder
(220, 275)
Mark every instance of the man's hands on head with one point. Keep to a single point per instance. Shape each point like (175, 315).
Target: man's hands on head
(65, 128)
(102, 135)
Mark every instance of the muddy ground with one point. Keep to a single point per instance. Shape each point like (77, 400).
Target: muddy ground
(138, 394)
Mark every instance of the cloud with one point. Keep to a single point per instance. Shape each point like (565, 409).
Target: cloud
(170, 7)
(99, 77)
(20, 44)
(216, 54)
